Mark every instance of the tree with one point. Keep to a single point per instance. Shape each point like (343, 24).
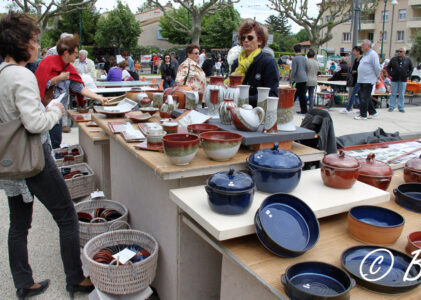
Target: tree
(144, 7)
(319, 31)
(168, 30)
(118, 29)
(47, 10)
(415, 52)
(278, 24)
(302, 36)
(196, 12)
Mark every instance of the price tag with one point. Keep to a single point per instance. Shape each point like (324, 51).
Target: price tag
(97, 194)
(124, 255)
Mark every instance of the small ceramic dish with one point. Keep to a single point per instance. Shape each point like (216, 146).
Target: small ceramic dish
(138, 116)
(408, 195)
(414, 242)
(149, 109)
(199, 128)
(375, 225)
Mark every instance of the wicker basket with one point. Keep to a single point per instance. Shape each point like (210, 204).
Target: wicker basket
(89, 230)
(83, 185)
(122, 279)
(77, 159)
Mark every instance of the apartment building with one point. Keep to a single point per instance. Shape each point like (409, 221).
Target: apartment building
(402, 20)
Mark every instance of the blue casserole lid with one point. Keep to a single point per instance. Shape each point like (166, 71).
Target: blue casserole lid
(275, 158)
(231, 181)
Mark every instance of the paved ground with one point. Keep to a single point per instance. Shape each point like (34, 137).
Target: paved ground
(43, 238)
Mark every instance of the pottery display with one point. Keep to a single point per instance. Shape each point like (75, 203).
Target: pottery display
(192, 99)
(167, 108)
(322, 281)
(231, 192)
(214, 103)
(158, 99)
(154, 138)
(286, 109)
(271, 115)
(180, 92)
(262, 95)
(414, 242)
(340, 171)
(215, 83)
(145, 102)
(170, 126)
(199, 128)
(233, 90)
(224, 112)
(375, 172)
(412, 170)
(275, 170)
(243, 97)
(375, 225)
(247, 118)
(181, 148)
(408, 195)
(220, 145)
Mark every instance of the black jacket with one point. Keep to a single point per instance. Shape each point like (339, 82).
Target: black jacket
(263, 72)
(167, 71)
(400, 69)
(342, 74)
(207, 67)
(355, 68)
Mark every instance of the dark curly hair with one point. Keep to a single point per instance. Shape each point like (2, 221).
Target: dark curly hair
(68, 43)
(190, 48)
(16, 32)
(248, 26)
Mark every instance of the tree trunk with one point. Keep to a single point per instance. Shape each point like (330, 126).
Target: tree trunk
(196, 29)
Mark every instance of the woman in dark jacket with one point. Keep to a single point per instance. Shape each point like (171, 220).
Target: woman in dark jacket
(167, 72)
(358, 53)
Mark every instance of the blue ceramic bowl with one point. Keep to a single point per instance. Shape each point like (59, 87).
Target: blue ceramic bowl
(229, 203)
(316, 280)
(408, 195)
(288, 225)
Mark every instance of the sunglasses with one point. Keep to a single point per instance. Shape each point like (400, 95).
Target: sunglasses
(400, 51)
(249, 37)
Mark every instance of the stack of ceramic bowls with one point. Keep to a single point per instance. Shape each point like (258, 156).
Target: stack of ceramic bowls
(286, 225)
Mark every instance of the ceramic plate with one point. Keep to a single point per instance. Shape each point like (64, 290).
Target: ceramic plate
(145, 146)
(131, 137)
(92, 124)
(111, 113)
(392, 266)
(117, 127)
(82, 117)
(137, 116)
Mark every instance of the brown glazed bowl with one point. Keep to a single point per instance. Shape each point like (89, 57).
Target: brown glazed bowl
(199, 128)
(412, 170)
(414, 242)
(340, 171)
(375, 172)
(375, 224)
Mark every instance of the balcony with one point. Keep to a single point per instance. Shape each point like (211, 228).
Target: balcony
(368, 24)
(414, 2)
(414, 22)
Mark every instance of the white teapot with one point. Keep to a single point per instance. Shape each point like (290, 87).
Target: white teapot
(247, 118)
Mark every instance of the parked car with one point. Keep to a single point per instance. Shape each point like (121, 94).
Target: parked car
(416, 74)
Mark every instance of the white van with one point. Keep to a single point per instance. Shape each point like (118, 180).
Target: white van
(416, 74)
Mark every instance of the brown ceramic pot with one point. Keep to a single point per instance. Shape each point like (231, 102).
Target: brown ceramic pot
(235, 80)
(339, 171)
(180, 92)
(375, 172)
(412, 171)
(286, 97)
(414, 242)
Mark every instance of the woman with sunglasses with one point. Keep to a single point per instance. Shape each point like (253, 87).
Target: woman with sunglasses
(258, 70)
(189, 72)
(167, 72)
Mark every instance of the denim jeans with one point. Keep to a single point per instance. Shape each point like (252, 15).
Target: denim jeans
(352, 98)
(366, 104)
(168, 83)
(56, 134)
(301, 93)
(51, 190)
(310, 90)
(401, 87)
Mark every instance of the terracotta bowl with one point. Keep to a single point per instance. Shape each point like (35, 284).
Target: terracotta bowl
(181, 148)
(199, 128)
(220, 145)
(375, 225)
(414, 242)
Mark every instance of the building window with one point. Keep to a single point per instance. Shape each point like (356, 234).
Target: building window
(346, 36)
(385, 15)
(402, 14)
(400, 35)
(371, 36)
(328, 18)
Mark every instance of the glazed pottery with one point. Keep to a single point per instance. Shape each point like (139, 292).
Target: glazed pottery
(170, 126)
(243, 97)
(216, 83)
(158, 99)
(375, 172)
(220, 145)
(271, 115)
(233, 90)
(149, 109)
(414, 242)
(262, 95)
(375, 225)
(247, 118)
(214, 103)
(287, 224)
(275, 170)
(224, 113)
(181, 148)
(145, 102)
(141, 96)
(286, 109)
(340, 171)
(230, 192)
(154, 138)
(199, 128)
(167, 108)
(321, 281)
(384, 269)
(412, 170)
(192, 99)
(180, 92)
(134, 93)
(408, 195)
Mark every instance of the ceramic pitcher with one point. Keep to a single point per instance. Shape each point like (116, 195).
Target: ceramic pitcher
(158, 99)
(233, 90)
(224, 113)
(243, 97)
(213, 106)
(216, 82)
(271, 115)
(286, 109)
(262, 94)
(192, 99)
(167, 108)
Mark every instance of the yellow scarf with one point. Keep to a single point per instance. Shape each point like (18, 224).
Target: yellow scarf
(244, 63)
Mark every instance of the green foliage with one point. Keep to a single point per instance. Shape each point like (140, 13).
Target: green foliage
(302, 36)
(144, 7)
(119, 28)
(168, 28)
(47, 41)
(90, 50)
(278, 24)
(416, 46)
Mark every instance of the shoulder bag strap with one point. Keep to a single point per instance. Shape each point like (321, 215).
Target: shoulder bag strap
(187, 76)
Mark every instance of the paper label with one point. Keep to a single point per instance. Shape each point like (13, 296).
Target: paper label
(124, 255)
(97, 194)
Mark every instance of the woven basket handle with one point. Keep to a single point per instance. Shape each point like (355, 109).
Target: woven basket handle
(110, 272)
(119, 221)
(95, 219)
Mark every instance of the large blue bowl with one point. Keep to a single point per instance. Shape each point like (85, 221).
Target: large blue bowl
(288, 225)
(408, 195)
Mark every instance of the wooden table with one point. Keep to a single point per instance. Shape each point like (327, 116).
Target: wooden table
(249, 271)
(141, 180)
(130, 83)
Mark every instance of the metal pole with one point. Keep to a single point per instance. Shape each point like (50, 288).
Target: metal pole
(356, 16)
(80, 29)
(391, 31)
(384, 18)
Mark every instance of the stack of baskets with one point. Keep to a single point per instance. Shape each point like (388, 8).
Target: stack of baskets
(90, 230)
(76, 158)
(80, 185)
(122, 279)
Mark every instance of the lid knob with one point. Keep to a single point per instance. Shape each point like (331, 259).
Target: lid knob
(231, 172)
(370, 158)
(275, 146)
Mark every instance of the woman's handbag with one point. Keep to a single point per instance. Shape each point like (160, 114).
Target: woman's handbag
(21, 152)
